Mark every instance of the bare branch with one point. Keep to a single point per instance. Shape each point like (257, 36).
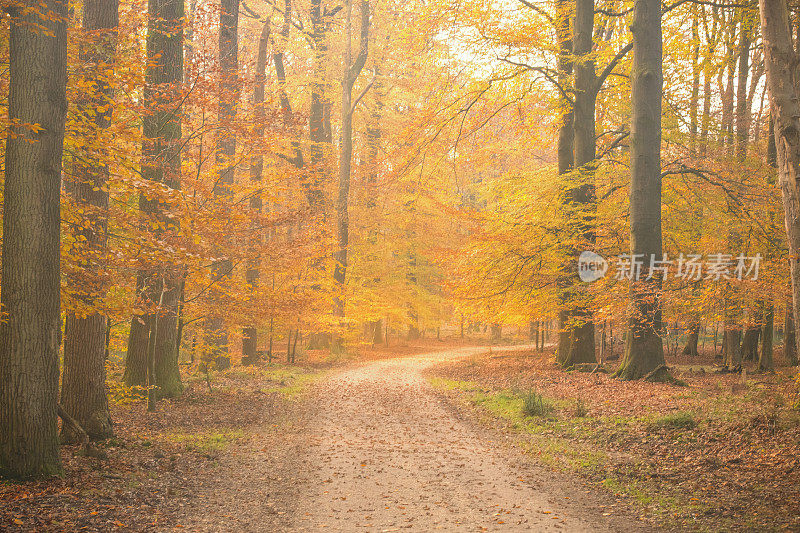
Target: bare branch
(601, 79)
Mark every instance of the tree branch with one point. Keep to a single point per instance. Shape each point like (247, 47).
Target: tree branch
(538, 10)
(363, 93)
(363, 48)
(601, 79)
(547, 73)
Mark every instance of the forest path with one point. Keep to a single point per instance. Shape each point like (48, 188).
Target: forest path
(385, 453)
(375, 448)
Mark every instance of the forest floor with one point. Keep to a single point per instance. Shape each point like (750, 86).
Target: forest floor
(433, 439)
(719, 454)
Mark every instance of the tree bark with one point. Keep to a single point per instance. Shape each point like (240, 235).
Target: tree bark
(695, 97)
(644, 349)
(161, 147)
(732, 348)
(742, 110)
(781, 65)
(580, 198)
(229, 90)
(566, 144)
(31, 242)
(691, 341)
(83, 385)
(789, 338)
(250, 334)
(750, 343)
(352, 69)
(315, 179)
(765, 360)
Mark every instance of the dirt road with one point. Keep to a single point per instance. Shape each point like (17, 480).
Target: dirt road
(386, 454)
(380, 451)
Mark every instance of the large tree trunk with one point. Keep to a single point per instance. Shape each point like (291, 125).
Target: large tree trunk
(580, 200)
(781, 66)
(705, 120)
(229, 89)
(83, 386)
(31, 242)
(766, 361)
(566, 143)
(644, 349)
(352, 69)
(249, 334)
(695, 97)
(161, 149)
(732, 348)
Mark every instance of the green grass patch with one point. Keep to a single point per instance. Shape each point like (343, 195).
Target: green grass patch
(677, 420)
(290, 381)
(207, 442)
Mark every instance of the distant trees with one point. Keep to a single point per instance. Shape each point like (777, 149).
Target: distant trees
(29, 331)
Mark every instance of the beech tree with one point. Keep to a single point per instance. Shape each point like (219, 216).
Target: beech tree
(644, 349)
(352, 69)
(253, 272)
(229, 92)
(29, 331)
(780, 59)
(152, 358)
(83, 389)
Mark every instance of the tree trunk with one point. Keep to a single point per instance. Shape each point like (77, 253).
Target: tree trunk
(580, 199)
(765, 361)
(644, 349)
(750, 343)
(31, 242)
(249, 334)
(315, 180)
(789, 338)
(691, 340)
(780, 61)
(742, 109)
(727, 93)
(708, 95)
(695, 97)
(377, 335)
(732, 348)
(83, 388)
(566, 143)
(161, 147)
(229, 90)
(352, 69)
